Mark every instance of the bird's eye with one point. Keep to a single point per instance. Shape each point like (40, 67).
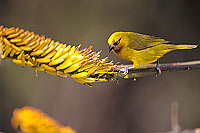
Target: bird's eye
(117, 42)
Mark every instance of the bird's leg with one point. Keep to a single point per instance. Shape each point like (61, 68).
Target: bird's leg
(124, 70)
(158, 68)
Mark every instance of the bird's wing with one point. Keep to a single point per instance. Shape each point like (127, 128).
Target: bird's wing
(141, 42)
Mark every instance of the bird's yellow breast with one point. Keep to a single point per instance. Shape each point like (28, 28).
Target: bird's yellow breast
(125, 52)
(137, 57)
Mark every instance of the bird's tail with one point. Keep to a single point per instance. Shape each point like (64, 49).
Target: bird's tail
(186, 46)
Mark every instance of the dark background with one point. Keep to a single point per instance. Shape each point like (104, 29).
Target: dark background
(128, 107)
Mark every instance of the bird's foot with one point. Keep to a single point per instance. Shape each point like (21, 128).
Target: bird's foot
(157, 68)
(124, 71)
(158, 71)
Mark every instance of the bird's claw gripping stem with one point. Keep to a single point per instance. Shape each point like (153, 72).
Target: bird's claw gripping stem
(158, 68)
(125, 72)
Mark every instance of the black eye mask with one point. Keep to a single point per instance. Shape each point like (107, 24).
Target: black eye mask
(112, 46)
(117, 42)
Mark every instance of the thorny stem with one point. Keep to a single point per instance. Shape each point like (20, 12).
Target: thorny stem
(148, 70)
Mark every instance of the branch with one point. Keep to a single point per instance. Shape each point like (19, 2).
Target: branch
(26, 48)
(148, 70)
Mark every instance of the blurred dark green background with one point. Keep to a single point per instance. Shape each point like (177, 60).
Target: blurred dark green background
(128, 107)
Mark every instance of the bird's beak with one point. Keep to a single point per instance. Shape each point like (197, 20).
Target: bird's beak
(111, 47)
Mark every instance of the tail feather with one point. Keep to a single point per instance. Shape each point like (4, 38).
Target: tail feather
(186, 46)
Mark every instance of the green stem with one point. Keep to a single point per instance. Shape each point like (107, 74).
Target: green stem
(148, 70)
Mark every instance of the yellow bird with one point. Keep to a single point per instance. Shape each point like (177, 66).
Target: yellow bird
(141, 49)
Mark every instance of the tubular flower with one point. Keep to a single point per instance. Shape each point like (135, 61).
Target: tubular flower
(44, 54)
(31, 120)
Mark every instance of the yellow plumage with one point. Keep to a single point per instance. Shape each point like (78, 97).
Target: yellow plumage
(141, 49)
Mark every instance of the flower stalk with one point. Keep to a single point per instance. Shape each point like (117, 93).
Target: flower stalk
(26, 48)
(44, 54)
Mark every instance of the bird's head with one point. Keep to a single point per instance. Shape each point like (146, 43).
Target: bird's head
(115, 41)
